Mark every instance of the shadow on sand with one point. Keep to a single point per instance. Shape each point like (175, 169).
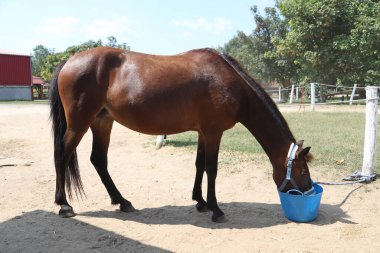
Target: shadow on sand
(41, 231)
(181, 144)
(240, 215)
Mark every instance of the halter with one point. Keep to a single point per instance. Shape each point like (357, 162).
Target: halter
(291, 155)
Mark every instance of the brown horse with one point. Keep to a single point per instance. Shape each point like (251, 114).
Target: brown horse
(199, 90)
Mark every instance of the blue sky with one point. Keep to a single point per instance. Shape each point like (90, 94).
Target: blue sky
(149, 26)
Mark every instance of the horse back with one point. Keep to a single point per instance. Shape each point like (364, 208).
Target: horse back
(156, 94)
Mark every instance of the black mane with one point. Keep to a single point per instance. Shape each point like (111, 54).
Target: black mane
(262, 94)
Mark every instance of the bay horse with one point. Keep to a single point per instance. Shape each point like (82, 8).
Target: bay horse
(200, 90)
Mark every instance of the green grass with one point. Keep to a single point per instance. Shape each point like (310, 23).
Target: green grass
(25, 102)
(333, 136)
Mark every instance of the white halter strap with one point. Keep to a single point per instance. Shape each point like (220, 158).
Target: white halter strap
(291, 155)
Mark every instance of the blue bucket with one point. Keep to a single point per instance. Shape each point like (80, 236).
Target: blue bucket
(300, 207)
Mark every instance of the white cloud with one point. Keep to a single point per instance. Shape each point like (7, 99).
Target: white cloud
(60, 32)
(187, 34)
(221, 24)
(60, 26)
(217, 25)
(118, 27)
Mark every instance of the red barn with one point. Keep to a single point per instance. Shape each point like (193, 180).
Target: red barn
(15, 76)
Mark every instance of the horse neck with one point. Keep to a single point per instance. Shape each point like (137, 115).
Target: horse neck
(267, 125)
(261, 116)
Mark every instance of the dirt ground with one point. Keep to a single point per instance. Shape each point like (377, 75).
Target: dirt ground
(159, 184)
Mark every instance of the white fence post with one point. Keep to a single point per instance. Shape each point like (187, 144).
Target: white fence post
(160, 141)
(312, 97)
(279, 94)
(291, 94)
(353, 94)
(369, 155)
(297, 93)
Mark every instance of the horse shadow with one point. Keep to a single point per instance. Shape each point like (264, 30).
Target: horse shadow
(42, 231)
(240, 215)
(181, 144)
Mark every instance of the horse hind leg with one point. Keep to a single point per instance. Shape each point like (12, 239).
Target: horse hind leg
(67, 171)
(67, 139)
(101, 130)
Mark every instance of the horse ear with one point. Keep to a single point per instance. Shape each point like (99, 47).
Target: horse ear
(305, 154)
(300, 143)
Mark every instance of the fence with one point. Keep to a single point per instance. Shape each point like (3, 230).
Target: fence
(316, 93)
(369, 155)
(322, 94)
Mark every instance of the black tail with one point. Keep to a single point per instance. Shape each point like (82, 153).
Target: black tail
(57, 116)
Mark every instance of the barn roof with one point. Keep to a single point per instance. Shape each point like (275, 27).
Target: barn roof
(7, 52)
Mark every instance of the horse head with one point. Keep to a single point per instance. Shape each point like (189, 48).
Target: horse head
(297, 174)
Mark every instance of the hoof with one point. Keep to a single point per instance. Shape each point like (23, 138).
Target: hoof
(219, 219)
(202, 208)
(218, 216)
(66, 212)
(127, 208)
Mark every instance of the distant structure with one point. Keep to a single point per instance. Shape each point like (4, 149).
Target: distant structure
(39, 85)
(15, 76)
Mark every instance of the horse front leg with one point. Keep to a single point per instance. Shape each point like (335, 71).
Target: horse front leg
(200, 166)
(101, 130)
(212, 143)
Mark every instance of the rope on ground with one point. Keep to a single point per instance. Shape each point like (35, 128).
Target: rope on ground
(355, 178)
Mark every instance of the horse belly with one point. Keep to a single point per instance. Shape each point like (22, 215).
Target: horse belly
(155, 119)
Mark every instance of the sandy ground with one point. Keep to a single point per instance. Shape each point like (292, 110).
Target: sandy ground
(159, 184)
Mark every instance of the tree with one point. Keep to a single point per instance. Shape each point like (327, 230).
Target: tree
(112, 42)
(241, 47)
(270, 30)
(83, 47)
(259, 53)
(364, 43)
(334, 41)
(51, 63)
(326, 41)
(46, 60)
(40, 53)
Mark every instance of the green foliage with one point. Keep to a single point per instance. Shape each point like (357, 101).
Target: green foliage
(241, 47)
(45, 61)
(269, 32)
(40, 53)
(334, 40)
(259, 52)
(112, 42)
(326, 41)
(51, 62)
(83, 47)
